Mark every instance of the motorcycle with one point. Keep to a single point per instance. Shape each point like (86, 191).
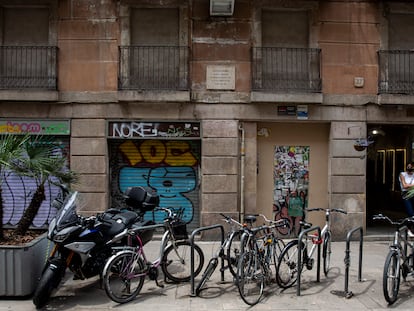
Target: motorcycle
(81, 243)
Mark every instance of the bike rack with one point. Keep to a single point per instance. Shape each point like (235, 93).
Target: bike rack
(218, 226)
(318, 270)
(346, 293)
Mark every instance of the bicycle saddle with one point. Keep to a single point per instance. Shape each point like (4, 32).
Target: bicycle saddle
(305, 225)
(250, 219)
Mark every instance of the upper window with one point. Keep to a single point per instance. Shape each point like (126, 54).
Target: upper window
(285, 29)
(396, 58)
(27, 60)
(284, 62)
(154, 27)
(154, 52)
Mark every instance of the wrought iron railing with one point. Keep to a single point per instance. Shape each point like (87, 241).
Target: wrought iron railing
(396, 72)
(153, 68)
(28, 67)
(286, 69)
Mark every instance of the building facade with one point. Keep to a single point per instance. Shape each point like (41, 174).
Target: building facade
(221, 106)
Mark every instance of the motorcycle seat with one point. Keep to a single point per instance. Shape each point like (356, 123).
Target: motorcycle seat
(118, 220)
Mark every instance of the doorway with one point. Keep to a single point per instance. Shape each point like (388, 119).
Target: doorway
(387, 156)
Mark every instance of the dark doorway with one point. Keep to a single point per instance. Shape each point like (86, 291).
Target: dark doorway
(386, 158)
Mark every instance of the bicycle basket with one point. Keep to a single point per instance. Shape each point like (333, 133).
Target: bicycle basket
(179, 229)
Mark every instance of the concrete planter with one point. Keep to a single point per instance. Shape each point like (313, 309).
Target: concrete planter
(21, 266)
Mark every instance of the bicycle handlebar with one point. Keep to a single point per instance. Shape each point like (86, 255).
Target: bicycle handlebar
(229, 220)
(328, 210)
(171, 213)
(276, 223)
(400, 222)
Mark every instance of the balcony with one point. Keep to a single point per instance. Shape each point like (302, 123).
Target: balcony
(286, 70)
(396, 72)
(150, 68)
(28, 67)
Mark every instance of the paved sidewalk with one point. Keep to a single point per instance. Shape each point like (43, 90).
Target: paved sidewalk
(323, 295)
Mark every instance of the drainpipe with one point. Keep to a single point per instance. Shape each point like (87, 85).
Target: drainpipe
(242, 161)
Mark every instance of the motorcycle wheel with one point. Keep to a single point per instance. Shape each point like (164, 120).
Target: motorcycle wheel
(49, 280)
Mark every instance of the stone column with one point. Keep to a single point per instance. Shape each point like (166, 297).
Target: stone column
(347, 177)
(219, 171)
(88, 148)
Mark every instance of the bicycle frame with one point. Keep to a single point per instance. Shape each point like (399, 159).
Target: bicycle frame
(400, 238)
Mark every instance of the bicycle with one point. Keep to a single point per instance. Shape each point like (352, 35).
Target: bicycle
(288, 269)
(397, 262)
(255, 264)
(229, 250)
(125, 271)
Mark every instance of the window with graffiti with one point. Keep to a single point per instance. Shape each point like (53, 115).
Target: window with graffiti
(291, 183)
(17, 192)
(168, 166)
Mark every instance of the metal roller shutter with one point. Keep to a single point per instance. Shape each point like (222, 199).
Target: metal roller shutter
(171, 167)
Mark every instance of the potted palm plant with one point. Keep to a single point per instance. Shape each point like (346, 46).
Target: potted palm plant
(35, 158)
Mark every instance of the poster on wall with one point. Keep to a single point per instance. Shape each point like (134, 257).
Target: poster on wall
(291, 183)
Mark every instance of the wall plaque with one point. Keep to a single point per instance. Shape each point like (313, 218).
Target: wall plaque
(221, 77)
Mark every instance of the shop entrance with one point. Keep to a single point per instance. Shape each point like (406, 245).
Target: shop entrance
(386, 158)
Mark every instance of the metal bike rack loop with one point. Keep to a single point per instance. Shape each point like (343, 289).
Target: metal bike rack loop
(218, 226)
(346, 293)
(318, 270)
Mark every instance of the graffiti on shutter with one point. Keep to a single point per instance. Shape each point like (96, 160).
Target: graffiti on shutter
(169, 167)
(17, 191)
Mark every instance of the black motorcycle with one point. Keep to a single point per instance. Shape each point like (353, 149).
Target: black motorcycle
(81, 242)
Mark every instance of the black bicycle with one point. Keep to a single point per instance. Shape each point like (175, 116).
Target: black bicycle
(229, 250)
(400, 258)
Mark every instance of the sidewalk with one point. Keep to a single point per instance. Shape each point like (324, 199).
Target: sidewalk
(323, 295)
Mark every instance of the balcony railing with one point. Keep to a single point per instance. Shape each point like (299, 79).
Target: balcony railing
(28, 67)
(286, 70)
(396, 72)
(153, 68)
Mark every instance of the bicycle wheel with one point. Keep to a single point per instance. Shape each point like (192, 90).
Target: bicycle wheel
(287, 266)
(176, 262)
(274, 250)
(391, 277)
(250, 280)
(326, 253)
(123, 276)
(279, 247)
(233, 252)
(212, 265)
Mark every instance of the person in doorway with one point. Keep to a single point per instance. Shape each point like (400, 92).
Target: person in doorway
(406, 183)
(295, 210)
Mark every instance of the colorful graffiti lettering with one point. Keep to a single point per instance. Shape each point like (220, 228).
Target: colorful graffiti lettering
(36, 127)
(166, 166)
(17, 192)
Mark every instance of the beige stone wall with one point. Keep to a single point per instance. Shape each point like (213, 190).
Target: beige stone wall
(219, 166)
(349, 38)
(89, 156)
(88, 46)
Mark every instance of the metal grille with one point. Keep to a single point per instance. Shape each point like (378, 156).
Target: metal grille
(286, 69)
(153, 68)
(28, 67)
(396, 72)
